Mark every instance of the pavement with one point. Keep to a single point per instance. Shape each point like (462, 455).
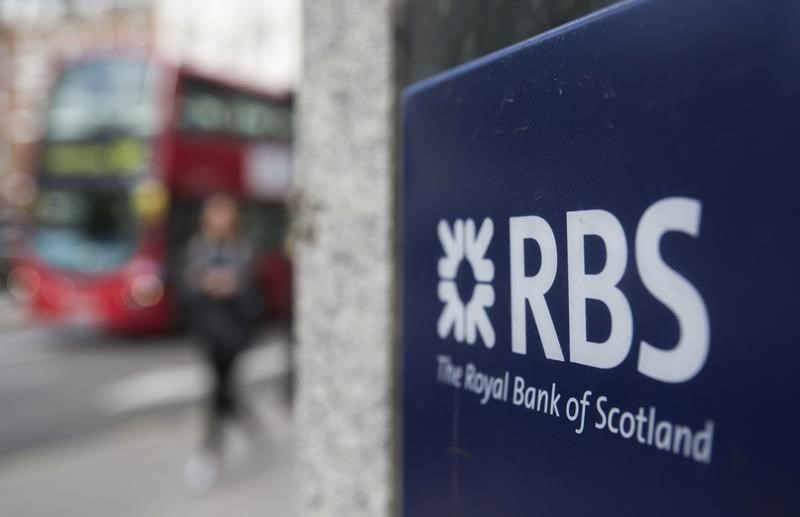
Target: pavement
(92, 425)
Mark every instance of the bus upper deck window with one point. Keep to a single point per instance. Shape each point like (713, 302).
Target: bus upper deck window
(103, 95)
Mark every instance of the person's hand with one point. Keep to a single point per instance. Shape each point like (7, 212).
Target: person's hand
(221, 283)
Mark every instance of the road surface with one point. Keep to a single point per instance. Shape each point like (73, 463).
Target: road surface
(94, 425)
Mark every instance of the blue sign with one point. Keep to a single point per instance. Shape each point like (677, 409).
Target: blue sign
(600, 288)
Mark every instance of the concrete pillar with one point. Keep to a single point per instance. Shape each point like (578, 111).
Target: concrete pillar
(346, 273)
(345, 261)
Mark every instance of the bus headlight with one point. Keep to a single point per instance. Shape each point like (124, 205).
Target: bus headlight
(150, 201)
(146, 290)
(24, 283)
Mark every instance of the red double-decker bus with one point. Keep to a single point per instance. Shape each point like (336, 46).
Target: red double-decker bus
(130, 147)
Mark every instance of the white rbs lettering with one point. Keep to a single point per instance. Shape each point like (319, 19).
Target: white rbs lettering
(530, 289)
(678, 364)
(600, 286)
(687, 357)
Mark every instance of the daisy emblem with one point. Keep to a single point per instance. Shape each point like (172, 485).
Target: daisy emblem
(466, 319)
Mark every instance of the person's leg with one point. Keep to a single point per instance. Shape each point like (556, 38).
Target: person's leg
(220, 397)
(201, 471)
(239, 447)
(240, 409)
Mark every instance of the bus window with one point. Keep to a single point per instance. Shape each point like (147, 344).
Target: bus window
(208, 108)
(103, 95)
(183, 222)
(85, 231)
(100, 120)
(266, 225)
(254, 118)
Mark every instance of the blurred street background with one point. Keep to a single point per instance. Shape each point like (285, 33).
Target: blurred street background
(95, 425)
(117, 118)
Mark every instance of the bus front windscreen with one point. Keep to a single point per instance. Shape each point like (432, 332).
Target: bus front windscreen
(102, 114)
(101, 118)
(85, 231)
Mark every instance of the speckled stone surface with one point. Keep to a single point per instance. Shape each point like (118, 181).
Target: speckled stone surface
(344, 261)
(344, 256)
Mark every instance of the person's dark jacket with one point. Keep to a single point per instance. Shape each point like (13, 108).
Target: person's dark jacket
(228, 322)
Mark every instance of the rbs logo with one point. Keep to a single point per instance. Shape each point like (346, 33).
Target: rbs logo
(466, 318)
(667, 362)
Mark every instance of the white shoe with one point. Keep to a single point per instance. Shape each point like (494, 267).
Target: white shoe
(200, 473)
